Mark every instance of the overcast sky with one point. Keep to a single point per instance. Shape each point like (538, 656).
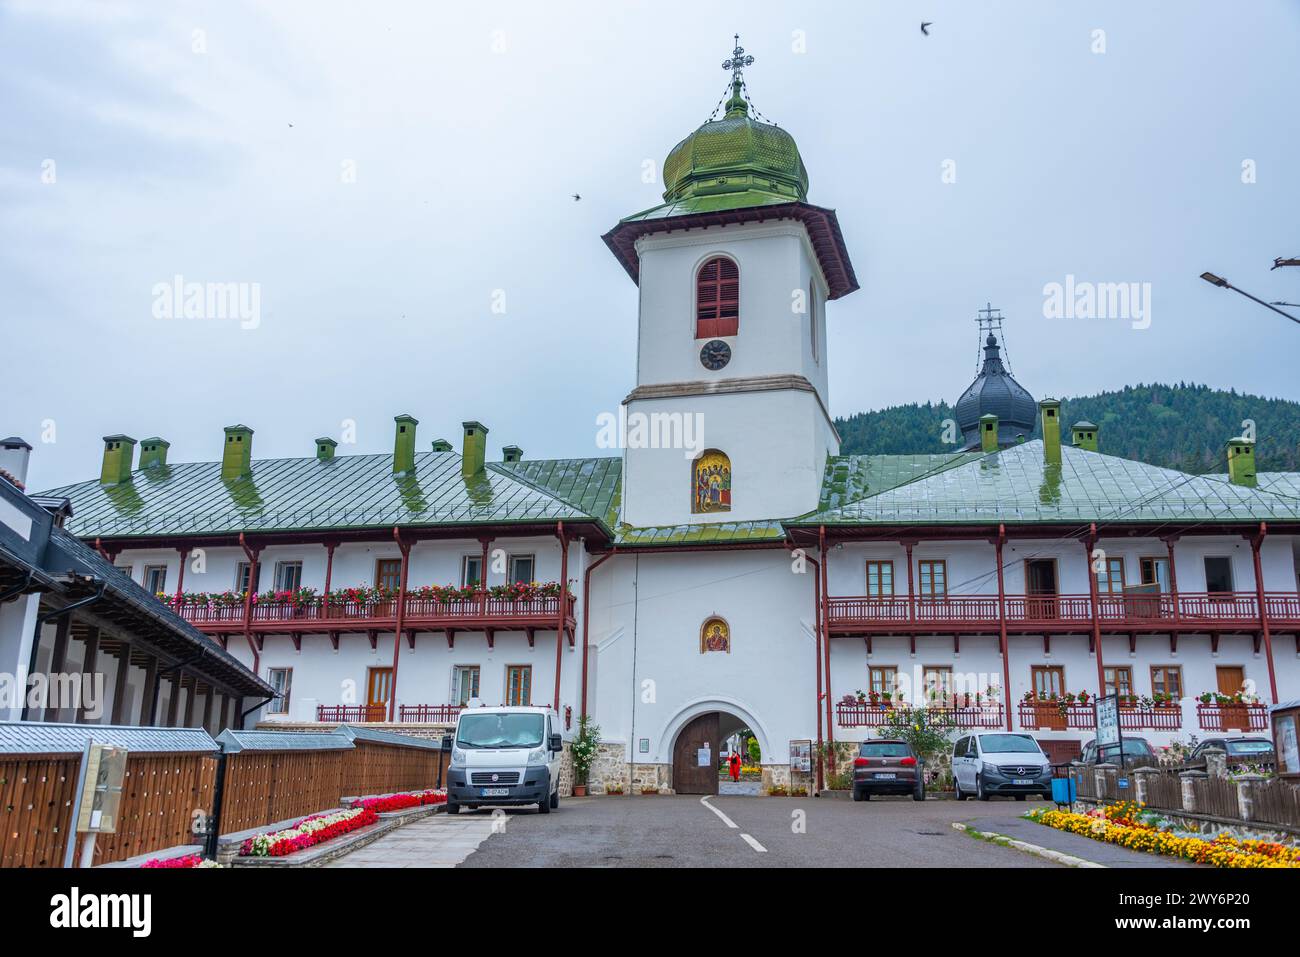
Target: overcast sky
(215, 141)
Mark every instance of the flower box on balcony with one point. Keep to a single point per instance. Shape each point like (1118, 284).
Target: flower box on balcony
(1232, 716)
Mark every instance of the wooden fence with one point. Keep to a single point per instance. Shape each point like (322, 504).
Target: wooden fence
(160, 794)
(163, 792)
(1178, 790)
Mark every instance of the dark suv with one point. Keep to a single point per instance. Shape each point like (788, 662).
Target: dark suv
(887, 767)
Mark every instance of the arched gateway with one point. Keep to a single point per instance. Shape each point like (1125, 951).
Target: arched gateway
(698, 744)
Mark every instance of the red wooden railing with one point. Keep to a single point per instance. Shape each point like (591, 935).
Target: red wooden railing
(1052, 716)
(1191, 609)
(432, 713)
(1168, 718)
(540, 611)
(345, 713)
(1232, 717)
(874, 716)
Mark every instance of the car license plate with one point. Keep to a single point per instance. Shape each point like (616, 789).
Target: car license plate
(888, 777)
(1022, 781)
(495, 792)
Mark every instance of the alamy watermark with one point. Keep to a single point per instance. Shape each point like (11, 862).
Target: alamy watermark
(651, 430)
(1073, 299)
(179, 299)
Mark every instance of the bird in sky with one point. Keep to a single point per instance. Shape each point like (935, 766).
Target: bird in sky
(576, 197)
(924, 24)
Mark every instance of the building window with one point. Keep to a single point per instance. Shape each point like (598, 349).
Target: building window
(880, 579)
(471, 570)
(1118, 680)
(464, 684)
(519, 685)
(1048, 680)
(711, 483)
(938, 683)
(934, 579)
(523, 569)
(388, 573)
(812, 319)
(155, 579)
(288, 576)
(1167, 679)
(281, 679)
(883, 679)
(1218, 574)
(1110, 579)
(717, 299)
(241, 576)
(1154, 571)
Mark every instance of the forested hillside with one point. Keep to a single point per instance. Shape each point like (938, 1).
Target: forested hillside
(1180, 426)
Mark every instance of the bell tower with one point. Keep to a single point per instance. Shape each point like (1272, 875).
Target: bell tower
(729, 419)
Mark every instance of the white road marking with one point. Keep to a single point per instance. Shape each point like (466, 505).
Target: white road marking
(725, 820)
(753, 843)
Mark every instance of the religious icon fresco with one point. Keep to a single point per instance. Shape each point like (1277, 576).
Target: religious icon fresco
(711, 483)
(715, 635)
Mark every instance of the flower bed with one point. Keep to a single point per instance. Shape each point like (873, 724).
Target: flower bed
(400, 802)
(189, 860)
(307, 832)
(1129, 824)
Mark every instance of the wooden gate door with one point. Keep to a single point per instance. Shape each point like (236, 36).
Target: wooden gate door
(377, 694)
(688, 776)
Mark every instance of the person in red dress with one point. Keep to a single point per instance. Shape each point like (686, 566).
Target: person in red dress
(734, 762)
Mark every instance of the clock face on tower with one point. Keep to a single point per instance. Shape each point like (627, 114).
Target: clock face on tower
(715, 354)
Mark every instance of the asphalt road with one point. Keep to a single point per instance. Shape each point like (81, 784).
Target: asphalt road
(683, 831)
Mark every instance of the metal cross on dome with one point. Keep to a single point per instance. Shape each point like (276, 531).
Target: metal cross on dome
(738, 60)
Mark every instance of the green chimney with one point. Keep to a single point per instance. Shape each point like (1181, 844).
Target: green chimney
(1050, 410)
(118, 452)
(1083, 435)
(237, 455)
(474, 449)
(988, 432)
(511, 453)
(325, 447)
(404, 444)
(1241, 461)
(153, 453)
(441, 445)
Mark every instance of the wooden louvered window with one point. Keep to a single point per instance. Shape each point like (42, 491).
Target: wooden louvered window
(717, 299)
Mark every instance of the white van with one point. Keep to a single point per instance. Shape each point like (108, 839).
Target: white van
(504, 756)
(1000, 762)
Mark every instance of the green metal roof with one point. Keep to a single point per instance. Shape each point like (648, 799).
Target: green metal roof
(352, 491)
(849, 478)
(1016, 485)
(704, 534)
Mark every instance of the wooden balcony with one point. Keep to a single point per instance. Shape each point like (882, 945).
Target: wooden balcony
(1061, 614)
(378, 713)
(866, 715)
(1232, 717)
(481, 613)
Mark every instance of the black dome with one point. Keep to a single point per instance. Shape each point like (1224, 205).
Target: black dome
(995, 391)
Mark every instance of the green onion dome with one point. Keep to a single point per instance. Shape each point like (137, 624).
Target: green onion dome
(735, 153)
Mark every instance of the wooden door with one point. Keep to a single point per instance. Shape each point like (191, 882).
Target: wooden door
(1230, 678)
(689, 777)
(379, 689)
(1040, 582)
(1232, 717)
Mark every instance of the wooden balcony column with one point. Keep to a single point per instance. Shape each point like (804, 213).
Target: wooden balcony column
(184, 552)
(826, 645)
(486, 543)
(329, 572)
(1173, 577)
(1255, 544)
(405, 549)
(252, 554)
(1089, 544)
(1002, 622)
(561, 625)
(119, 684)
(58, 661)
(89, 665)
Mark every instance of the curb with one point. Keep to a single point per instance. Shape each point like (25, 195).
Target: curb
(1046, 853)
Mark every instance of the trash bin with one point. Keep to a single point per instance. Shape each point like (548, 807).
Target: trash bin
(1064, 790)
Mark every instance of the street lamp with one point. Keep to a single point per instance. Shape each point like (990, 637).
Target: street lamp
(1222, 283)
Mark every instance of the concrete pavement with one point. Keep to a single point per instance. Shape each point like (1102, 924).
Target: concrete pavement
(439, 840)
